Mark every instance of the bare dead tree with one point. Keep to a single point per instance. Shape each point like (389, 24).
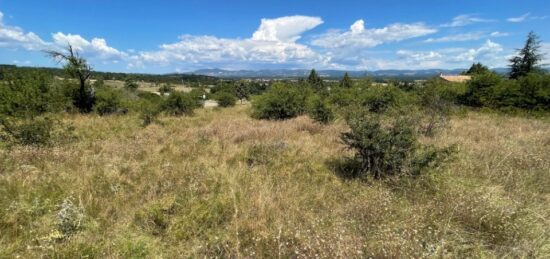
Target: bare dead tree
(77, 67)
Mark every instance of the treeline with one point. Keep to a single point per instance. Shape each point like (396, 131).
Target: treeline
(188, 79)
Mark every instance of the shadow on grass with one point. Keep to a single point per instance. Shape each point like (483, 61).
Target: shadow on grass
(346, 168)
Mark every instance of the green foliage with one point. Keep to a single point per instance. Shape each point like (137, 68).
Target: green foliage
(346, 81)
(320, 110)
(242, 91)
(166, 89)
(528, 58)
(386, 147)
(476, 69)
(225, 99)
(379, 98)
(27, 95)
(179, 103)
(35, 132)
(479, 90)
(130, 84)
(256, 88)
(78, 68)
(280, 102)
(316, 82)
(149, 112)
(535, 91)
(108, 101)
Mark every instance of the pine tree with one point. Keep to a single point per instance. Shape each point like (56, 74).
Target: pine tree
(346, 81)
(476, 69)
(315, 81)
(527, 59)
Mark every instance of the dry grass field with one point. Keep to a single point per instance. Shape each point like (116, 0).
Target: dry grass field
(220, 184)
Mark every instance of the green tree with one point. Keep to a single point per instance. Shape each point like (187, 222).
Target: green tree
(528, 57)
(315, 81)
(130, 84)
(225, 99)
(165, 89)
(476, 69)
(346, 81)
(242, 91)
(78, 68)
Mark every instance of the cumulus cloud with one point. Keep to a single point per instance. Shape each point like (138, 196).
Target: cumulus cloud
(274, 42)
(465, 19)
(525, 17)
(489, 53)
(361, 37)
(96, 48)
(15, 37)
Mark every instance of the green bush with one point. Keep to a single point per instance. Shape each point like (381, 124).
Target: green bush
(149, 112)
(535, 89)
(37, 131)
(319, 110)
(108, 101)
(479, 90)
(166, 89)
(130, 84)
(180, 104)
(225, 99)
(380, 98)
(387, 147)
(281, 102)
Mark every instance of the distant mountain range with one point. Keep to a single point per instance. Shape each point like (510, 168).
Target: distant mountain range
(301, 73)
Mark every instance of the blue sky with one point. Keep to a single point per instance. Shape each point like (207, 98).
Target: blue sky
(164, 36)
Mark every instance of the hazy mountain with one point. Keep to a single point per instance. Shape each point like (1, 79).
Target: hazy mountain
(300, 73)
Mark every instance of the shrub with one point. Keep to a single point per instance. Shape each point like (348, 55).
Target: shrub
(180, 104)
(379, 98)
(226, 99)
(130, 84)
(319, 110)
(166, 89)
(535, 89)
(149, 112)
(387, 147)
(479, 90)
(108, 101)
(33, 132)
(280, 102)
(69, 218)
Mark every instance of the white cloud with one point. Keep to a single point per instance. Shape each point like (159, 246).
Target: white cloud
(469, 36)
(15, 37)
(273, 43)
(465, 19)
(519, 19)
(96, 48)
(525, 17)
(489, 53)
(457, 37)
(545, 50)
(360, 37)
(499, 34)
(286, 29)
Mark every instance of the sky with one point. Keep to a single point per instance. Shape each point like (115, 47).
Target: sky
(181, 36)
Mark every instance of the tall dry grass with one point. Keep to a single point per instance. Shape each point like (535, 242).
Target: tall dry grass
(220, 184)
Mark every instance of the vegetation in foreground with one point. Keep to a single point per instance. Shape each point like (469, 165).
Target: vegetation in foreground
(223, 184)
